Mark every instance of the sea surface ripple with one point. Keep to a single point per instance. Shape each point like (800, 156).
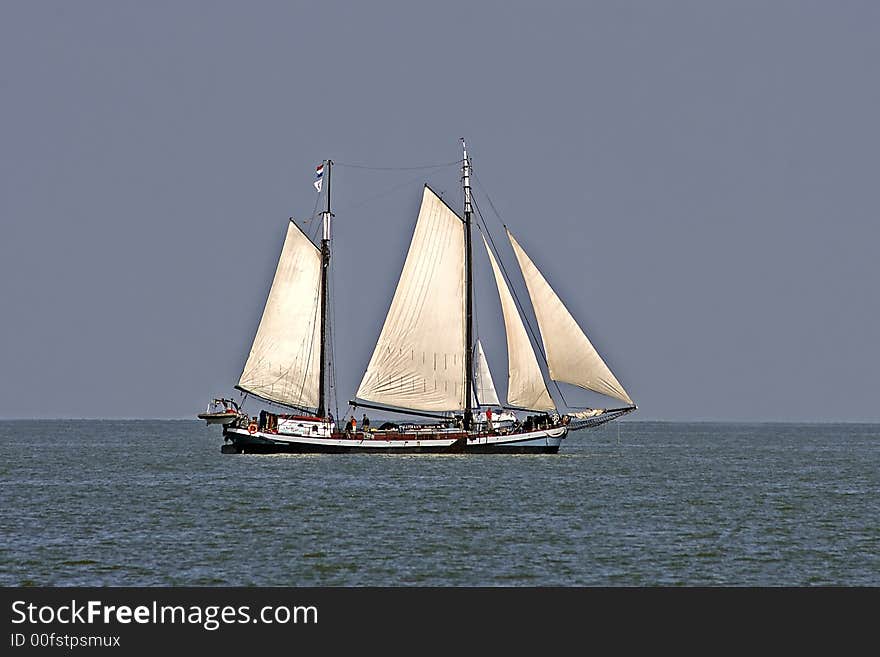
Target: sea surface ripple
(155, 503)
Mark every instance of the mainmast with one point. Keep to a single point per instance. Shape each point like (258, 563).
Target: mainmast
(325, 266)
(469, 290)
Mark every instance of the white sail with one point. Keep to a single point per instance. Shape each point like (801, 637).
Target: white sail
(525, 383)
(284, 361)
(483, 384)
(418, 362)
(570, 355)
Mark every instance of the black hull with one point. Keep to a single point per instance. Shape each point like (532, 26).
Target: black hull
(250, 445)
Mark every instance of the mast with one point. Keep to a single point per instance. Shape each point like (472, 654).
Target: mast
(325, 265)
(469, 289)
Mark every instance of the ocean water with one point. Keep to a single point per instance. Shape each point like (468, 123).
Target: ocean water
(155, 503)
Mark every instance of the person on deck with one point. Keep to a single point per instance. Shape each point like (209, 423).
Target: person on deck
(365, 423)
(489, 419)
(354, 424)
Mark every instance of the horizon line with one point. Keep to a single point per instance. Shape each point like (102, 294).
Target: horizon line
(632, 420)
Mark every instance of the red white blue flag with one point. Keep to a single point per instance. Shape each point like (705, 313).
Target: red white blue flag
(319, 176)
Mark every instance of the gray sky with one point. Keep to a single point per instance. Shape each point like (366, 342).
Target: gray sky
(698, 181)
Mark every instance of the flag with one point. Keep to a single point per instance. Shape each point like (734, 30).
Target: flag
(319, 176)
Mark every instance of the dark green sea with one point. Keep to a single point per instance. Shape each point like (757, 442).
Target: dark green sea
(91, 503)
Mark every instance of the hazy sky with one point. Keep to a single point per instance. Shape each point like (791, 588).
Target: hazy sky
(697, 180)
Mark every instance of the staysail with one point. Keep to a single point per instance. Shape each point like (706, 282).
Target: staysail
(571, 357)
(484, 387)
(284, 362)
(418, 362)
(525, 383)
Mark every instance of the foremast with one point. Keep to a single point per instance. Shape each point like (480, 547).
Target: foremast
(325, 267)
(469, 290)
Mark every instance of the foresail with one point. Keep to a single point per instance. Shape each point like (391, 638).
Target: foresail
(486, 394)
(525, 383)
(418, 362)
(284, 361)
(571, 357)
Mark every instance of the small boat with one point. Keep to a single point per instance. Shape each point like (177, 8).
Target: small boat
(427, 363)
(221, 411)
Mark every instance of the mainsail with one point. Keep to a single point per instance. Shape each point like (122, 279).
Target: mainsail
(284, 362)
(418, 362)
(571, 357)
(484, 387)
(525, 383)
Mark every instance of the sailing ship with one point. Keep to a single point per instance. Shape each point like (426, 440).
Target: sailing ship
(427, 363)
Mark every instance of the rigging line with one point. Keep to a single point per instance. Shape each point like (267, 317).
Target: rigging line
(489, 198)
(498, 215)
(309, 354)
(371, 168)
(522, 311)
(484, 230)
(500, 261)
(333, 342)
(476, 365)
(314, 215)
(316, 227)
(374, 197)
(266, 400)
(509, 281)
(519, 303)
(311, 349)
